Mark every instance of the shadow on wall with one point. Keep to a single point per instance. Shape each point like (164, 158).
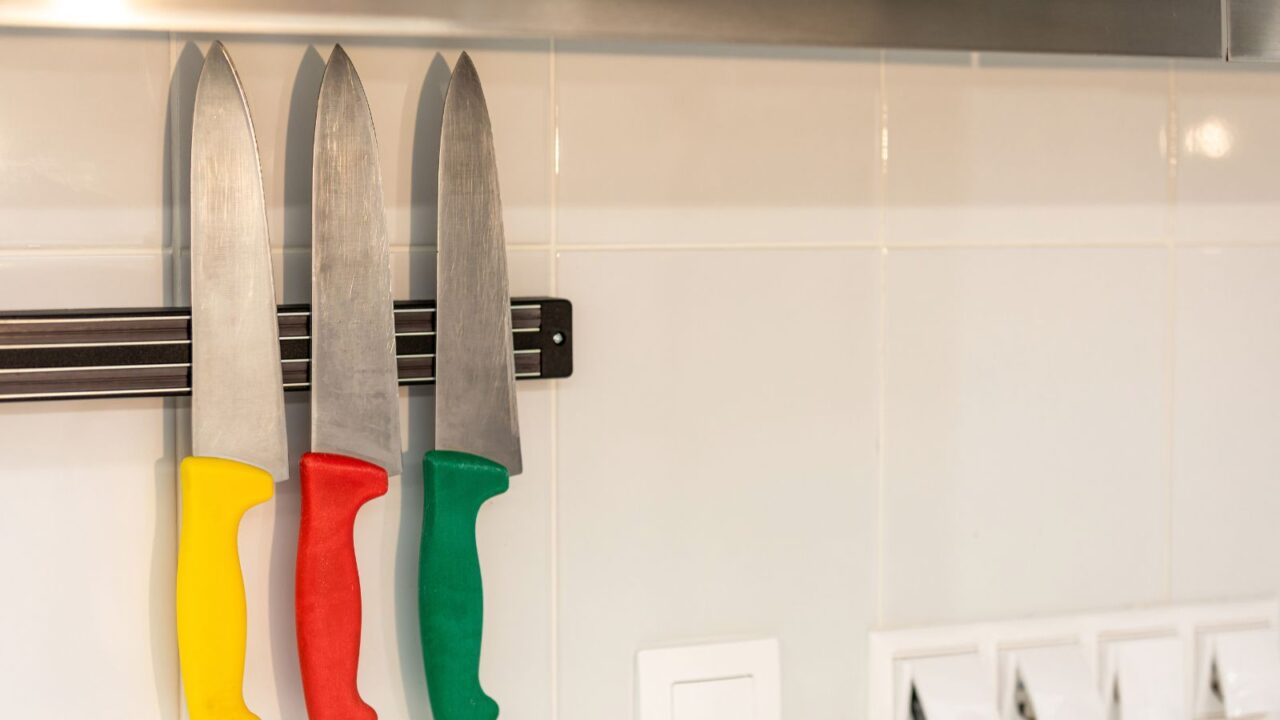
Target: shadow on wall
(421, 425)
(295, 287)
(177, 173)
(176, 191)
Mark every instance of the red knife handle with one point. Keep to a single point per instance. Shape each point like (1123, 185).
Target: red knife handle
(328, 589)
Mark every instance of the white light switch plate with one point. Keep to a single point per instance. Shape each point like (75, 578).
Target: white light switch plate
(1248, 667)
(714, 699)
(727, 681)
(948, 687)
(1146, 677)
(1189, 632)
(1057, 681)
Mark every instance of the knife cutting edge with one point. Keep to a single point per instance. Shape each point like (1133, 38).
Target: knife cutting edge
(237, 405)
(477, 434)
(355, 411)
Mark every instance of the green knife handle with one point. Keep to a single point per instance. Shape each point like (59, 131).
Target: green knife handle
(450, 593)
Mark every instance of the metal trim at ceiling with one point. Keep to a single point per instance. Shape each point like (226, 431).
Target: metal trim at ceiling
(1170, 28)
(1254, 29)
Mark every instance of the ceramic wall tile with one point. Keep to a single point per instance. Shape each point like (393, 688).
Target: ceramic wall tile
(88, 525)
(82, 139)
(406, 82)
(1025, 432)
(1225, 497)
(39, 281)
(1227, 153)
(710, 487)
(709, 145)
(1023, 150)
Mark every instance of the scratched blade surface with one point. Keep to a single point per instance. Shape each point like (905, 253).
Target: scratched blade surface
(237, 401)
(475, 368)
(355, 406)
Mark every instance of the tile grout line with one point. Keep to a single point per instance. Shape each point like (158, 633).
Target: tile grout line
(1153, 244)
(1171, 367)
(677, 247)
(554, 479)
(107, 251)
(85, 250)
(881, 370)
(1171, 321)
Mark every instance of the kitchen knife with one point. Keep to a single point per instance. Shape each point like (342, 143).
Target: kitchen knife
(355, 409)
(237, 402)
(477, 434)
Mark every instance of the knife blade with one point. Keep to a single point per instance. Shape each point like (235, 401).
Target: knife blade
(477, 430)
(355, 409)
(237, 405)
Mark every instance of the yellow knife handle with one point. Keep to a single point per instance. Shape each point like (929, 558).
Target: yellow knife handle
(211, 605)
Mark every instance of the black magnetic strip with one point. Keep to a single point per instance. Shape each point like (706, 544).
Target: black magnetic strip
(147, 351)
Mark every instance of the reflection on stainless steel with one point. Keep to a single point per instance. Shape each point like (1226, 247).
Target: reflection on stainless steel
(1182, 28)
(1253, 29)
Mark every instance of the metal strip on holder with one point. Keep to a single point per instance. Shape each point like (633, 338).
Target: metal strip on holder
(80, 354)
(1171, 28)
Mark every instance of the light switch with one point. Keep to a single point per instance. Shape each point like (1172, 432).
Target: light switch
(1239, 674)
(727, 681)
(948, 687)
(1144, 679)
(729, 699)
(1050, 683)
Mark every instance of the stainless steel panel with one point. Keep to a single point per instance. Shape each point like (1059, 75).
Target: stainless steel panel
(1182, 28)
(1254, 30)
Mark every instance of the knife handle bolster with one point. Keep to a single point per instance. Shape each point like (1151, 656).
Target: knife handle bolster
(450, 592)
(210, 595)
(328, 608)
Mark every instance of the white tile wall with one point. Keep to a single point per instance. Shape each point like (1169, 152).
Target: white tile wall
(1025, 150)
(82, 137)
(88, 524)
(1025, 432)
(660, 146)
(1227, 460)
(707, 486)
(1227, 147)
(864, 340)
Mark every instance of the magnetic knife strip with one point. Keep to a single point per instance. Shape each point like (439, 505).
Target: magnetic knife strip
(55, 355)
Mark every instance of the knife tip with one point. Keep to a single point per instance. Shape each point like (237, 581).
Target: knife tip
(465, 80)
(218, 51)
(465, 64)
(339, 68)
(218, 67)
